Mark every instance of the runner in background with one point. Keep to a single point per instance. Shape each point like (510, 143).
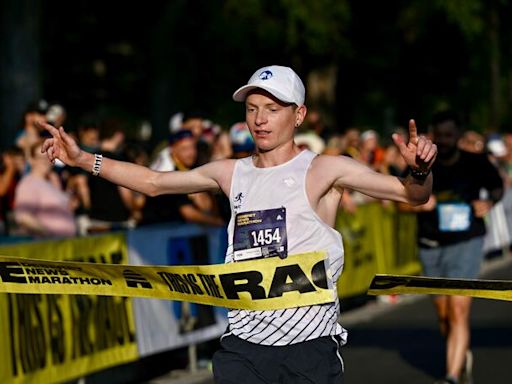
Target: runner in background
(291, 197)
(451, 232)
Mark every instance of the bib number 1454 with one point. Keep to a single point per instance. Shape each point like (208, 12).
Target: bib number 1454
(265, 237)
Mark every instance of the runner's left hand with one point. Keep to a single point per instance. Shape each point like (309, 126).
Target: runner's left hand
(419, 153)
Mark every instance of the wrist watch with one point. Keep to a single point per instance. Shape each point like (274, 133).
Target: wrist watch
(419, 174)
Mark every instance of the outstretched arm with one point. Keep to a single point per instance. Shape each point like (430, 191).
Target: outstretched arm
(419, 154)
(135, 177)
(8, 175)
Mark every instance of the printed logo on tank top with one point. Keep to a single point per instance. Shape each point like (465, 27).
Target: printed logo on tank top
(289, 181)
(260, 234)
(237, 201)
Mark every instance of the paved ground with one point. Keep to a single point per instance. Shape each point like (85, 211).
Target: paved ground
(403, 345)
(400, 343)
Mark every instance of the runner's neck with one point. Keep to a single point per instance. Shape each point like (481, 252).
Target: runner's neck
(275, 156)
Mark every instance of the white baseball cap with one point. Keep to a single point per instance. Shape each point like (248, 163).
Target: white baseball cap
(497, 147)
(282, 82)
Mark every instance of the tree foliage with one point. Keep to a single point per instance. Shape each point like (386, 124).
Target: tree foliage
(313, 29)
(392, 60)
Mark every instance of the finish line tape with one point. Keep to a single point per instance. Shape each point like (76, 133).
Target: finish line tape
(264, 284)
(398, 284)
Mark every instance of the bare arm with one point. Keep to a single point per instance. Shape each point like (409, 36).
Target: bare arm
(430, 205)
(419, 154)
(192, 214)
(354, 175)
(29, 223)
(8, 175)
(210, 176)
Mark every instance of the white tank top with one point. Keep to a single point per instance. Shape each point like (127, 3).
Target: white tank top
(277, 196)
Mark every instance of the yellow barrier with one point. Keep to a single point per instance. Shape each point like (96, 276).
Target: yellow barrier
(377, 239)
(55, 338)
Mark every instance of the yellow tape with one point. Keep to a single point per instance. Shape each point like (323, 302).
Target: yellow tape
(265, 284)
(398, 284)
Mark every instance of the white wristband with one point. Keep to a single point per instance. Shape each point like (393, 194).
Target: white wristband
(96, 168)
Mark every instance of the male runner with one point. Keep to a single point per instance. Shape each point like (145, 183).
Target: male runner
(295, 194)
(451, 231)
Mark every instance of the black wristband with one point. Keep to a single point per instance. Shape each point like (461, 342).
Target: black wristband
(418, 174)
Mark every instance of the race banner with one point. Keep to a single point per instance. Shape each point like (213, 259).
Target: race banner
(397, 284)
(264, 284)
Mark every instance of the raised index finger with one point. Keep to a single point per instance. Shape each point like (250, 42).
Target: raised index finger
(413, 132)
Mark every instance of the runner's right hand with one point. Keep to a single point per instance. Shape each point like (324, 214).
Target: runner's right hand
(60, 146)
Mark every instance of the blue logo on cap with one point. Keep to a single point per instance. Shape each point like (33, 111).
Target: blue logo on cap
(265, 75)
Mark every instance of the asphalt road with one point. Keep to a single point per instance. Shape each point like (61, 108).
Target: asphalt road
(400, 343)
(403, 345)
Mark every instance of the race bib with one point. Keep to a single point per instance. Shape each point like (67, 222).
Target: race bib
(454, 217)
(260, 234)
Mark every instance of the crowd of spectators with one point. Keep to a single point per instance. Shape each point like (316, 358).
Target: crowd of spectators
(40, 200)
(43, 200)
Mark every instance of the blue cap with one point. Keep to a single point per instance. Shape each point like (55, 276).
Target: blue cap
(179, 135)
